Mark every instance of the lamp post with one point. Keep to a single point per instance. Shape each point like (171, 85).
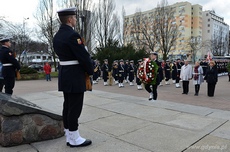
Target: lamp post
(82, 25)
(24, 39)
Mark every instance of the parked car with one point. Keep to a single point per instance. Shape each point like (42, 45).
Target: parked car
(37, 67)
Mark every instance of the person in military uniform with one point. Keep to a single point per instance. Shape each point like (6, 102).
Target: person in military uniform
(75, 65)
(179, 64)
(167, 72)
(131, 73)
(115, 71)
(121, 73)
(10, 65)
(126, 73)
(138, 81)
(174, 72)
(105, 72)
(95, 71)
(152, 88)
(204, 65)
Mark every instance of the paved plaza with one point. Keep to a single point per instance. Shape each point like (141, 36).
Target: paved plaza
(123, 120)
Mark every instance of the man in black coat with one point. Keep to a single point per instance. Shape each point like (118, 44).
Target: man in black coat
(121, 73)
(105, 72)
(10, 65)
(75, 64)
(131, 73)
(167, 72)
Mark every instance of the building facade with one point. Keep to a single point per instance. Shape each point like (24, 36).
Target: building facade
(194, 26)
(215, 34)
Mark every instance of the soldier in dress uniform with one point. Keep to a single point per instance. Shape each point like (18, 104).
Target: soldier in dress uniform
(167, 69)
(204, 65)
(115, 71)
(126, 71)
(152, 88)
(174, 71)
(179, 64)
(75, 64)
(131, 73)
(121, 73)
(95, 71)
(10, 65)
(105, 72)
(138, 81)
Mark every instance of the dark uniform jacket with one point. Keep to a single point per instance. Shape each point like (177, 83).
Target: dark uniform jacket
(121, 71)
(106, 70)
(7, 57)
(211, 75)
(68, 46)
(131, 70)
(167, 71)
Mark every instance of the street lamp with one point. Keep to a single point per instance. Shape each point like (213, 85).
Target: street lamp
(24, 19)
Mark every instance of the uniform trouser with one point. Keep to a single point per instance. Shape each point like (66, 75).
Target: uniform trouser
(153, 90)
(197, 88)
(211, 89)
(95, 76)
(120, 79)
(9, 84)
(177, 79)
(105, 79)
(185, 86)
(72, 108)
(1, 84)
(131, 77)
(138, 81)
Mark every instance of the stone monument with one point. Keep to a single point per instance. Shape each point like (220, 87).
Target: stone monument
(23, 122)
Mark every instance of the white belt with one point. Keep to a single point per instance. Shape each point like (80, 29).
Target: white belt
(7, 64)
(74, 62)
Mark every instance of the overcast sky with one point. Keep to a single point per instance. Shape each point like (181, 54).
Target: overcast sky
(17, 10)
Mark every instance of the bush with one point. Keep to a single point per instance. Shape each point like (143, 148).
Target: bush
(228, 66)
(27, 70)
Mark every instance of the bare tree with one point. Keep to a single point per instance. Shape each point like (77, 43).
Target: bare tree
(20, 36)
(107, 24)
(134, 30)
(218, 43)
(166, 30)
(195, 44)
(48, 24)
(84, 19)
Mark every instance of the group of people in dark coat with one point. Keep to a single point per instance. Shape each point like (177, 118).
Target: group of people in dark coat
(118, 72)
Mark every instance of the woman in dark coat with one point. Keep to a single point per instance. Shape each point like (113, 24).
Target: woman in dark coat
(211, 78)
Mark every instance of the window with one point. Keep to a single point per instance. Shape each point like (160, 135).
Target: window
(208, 31)
(209, 20)
(38, 57)
(207, 14)
(208, 25)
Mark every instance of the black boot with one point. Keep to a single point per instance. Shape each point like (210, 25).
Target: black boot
(196, 90)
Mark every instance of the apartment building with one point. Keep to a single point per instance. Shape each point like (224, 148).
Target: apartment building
(215, 34)
(188, 18)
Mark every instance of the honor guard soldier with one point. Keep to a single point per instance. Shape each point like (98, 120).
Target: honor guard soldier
(179, 64)
(131, 73)
(95, 71)
(174, 71)
(167, 72)
(10, 65)
(152, 88)
(126, 74)
(121, 73)
(75, 64)
(105, 72)
(204, 66)
(115, 71)
(138, 81)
